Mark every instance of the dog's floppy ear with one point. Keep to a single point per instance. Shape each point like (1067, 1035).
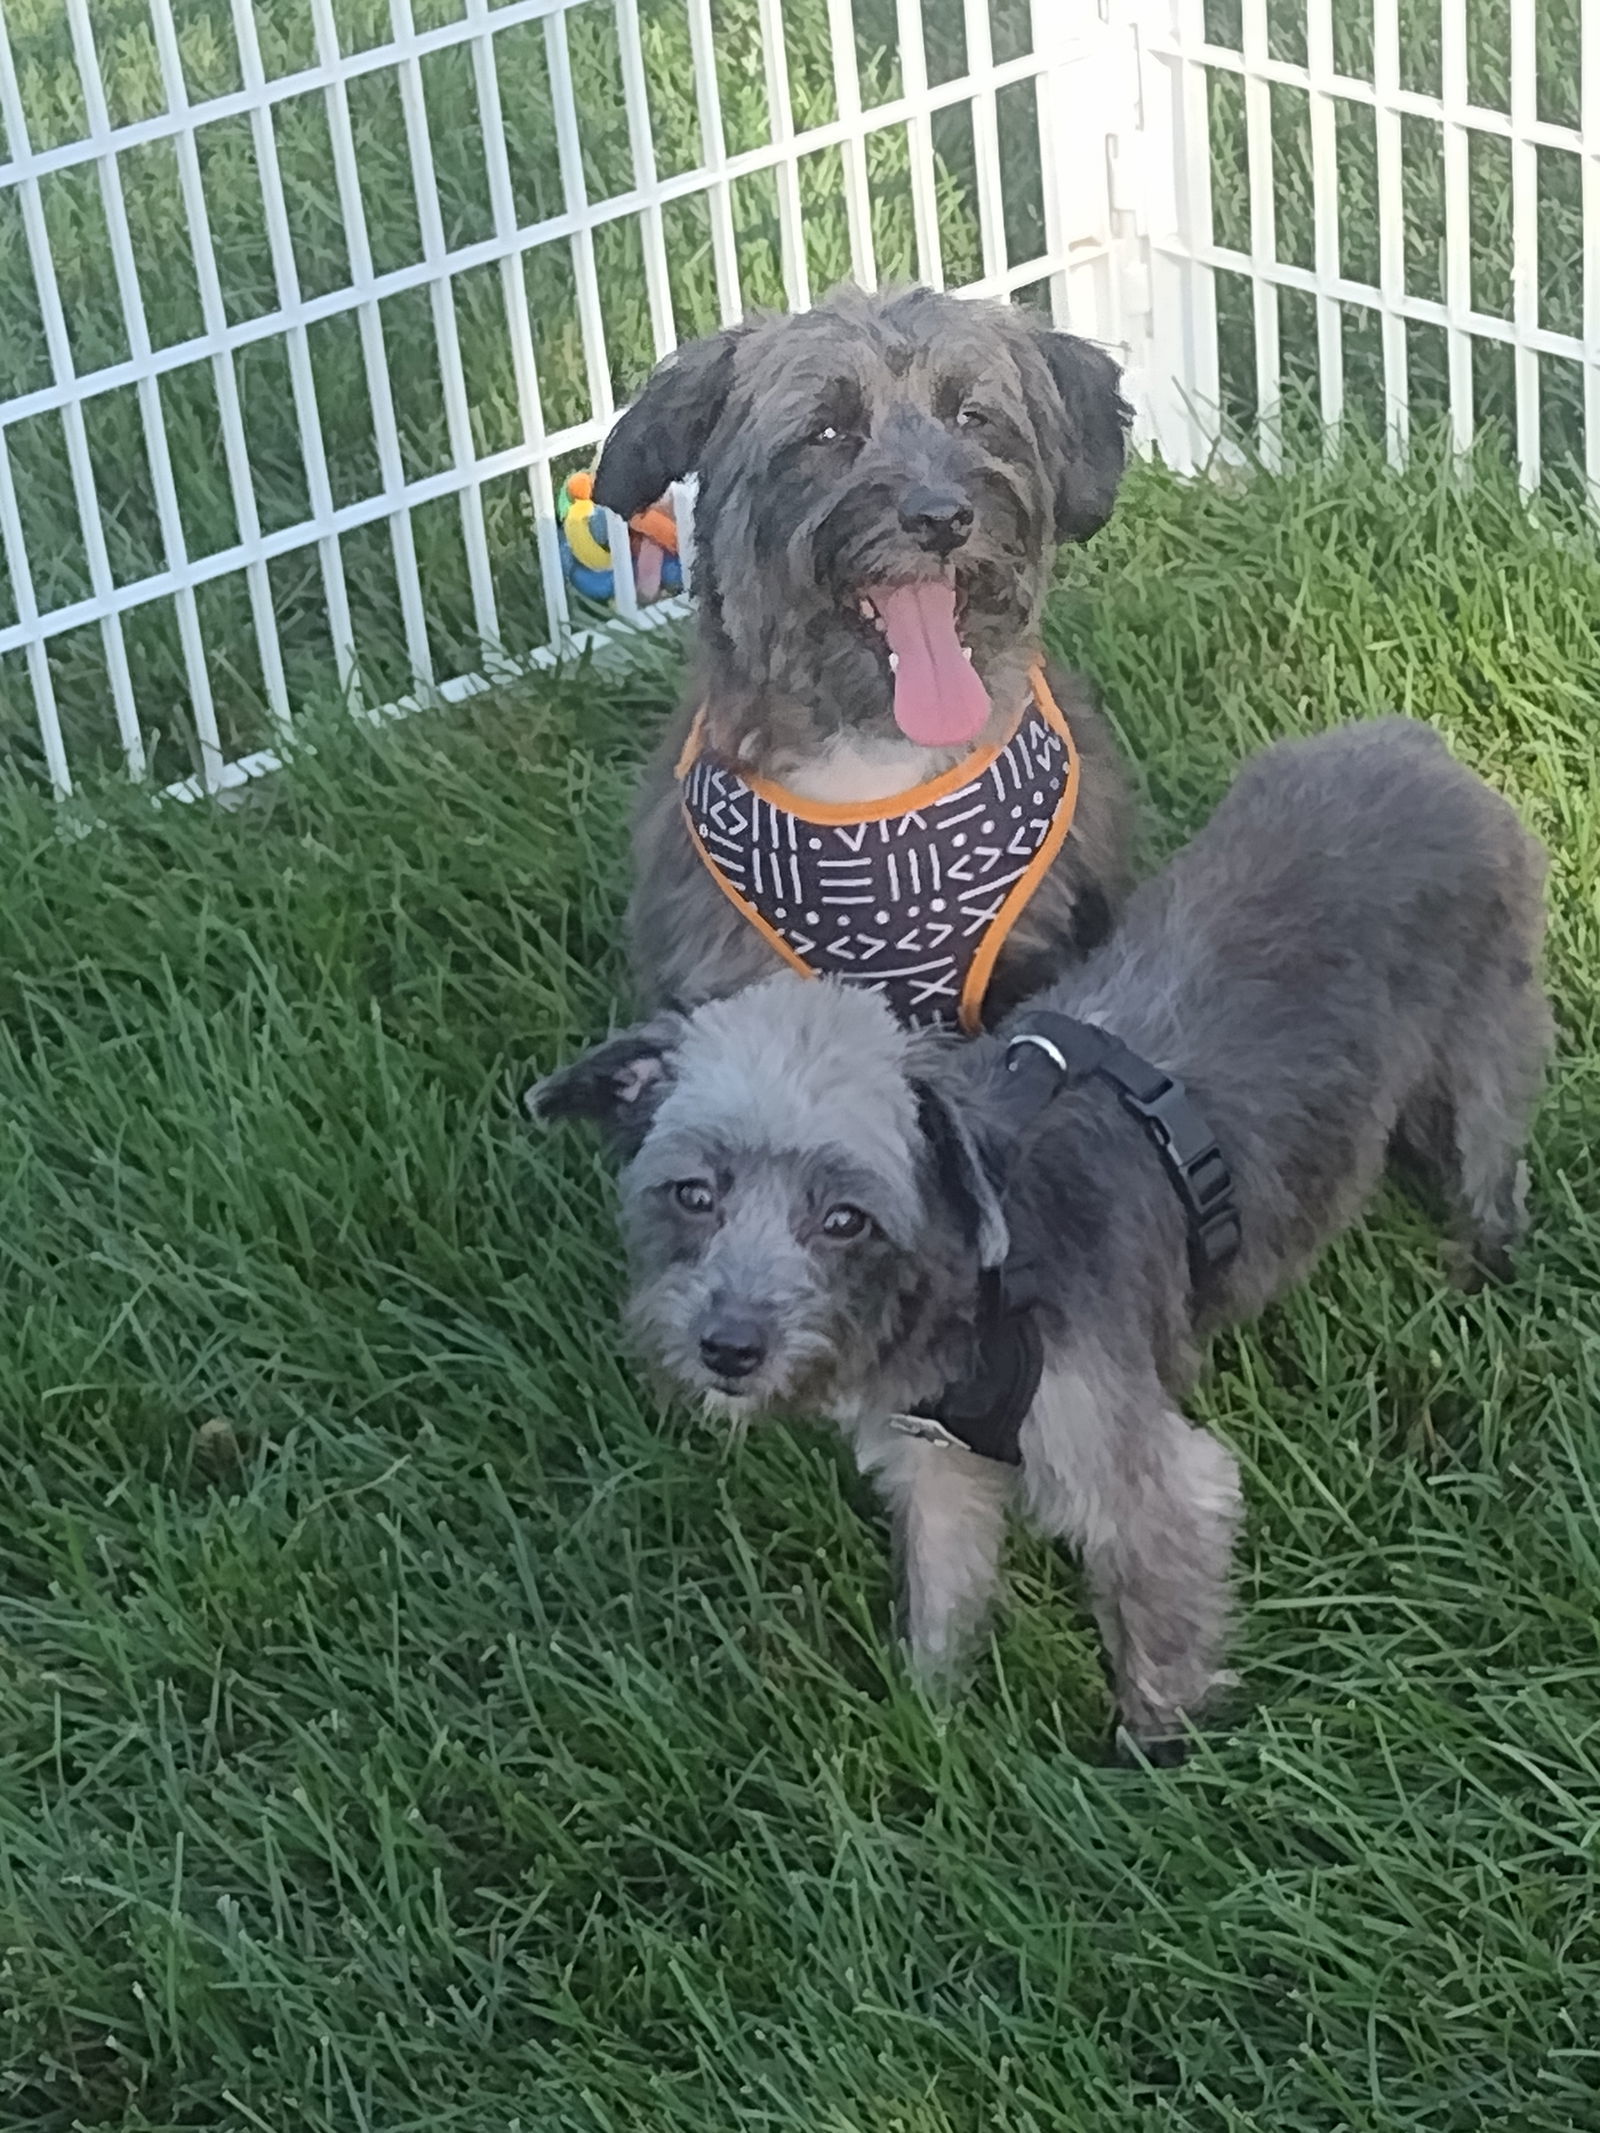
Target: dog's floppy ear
(663, 435)
(616, 1086)
(1085, 431)
(961, 1177)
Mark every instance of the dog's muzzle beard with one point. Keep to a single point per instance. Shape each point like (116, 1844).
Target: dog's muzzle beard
(996, 601)
(800, 613)
(794, 1375)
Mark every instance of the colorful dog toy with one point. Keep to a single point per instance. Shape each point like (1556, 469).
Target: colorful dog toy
(585, 540)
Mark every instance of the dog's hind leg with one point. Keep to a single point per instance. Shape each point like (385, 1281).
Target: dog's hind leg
(1153, 1505)
(950, 1510)
(1422, 1148)
(1493, 1074)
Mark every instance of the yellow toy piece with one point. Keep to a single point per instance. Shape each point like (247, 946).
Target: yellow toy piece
(592, 553)
(584, 540)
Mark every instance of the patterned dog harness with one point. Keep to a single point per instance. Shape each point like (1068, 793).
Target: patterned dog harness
(911, 896)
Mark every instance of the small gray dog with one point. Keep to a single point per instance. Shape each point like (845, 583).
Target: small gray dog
(882, 485)
(1340, 965)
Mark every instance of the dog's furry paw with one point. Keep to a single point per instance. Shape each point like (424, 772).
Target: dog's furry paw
(1471, 1267)
(941, 1680)
(1164, 1746)
(1165, 1753)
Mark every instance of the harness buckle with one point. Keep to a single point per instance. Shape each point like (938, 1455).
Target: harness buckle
(1218, 1237)
(1184, 1139)
(1196, 1165)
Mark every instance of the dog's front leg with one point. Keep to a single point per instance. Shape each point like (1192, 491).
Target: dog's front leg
(1153, 1505)
(949, 1510)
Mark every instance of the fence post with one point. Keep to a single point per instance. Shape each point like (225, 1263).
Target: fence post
(1120, 174)
(1177, 360)
(1084, 102)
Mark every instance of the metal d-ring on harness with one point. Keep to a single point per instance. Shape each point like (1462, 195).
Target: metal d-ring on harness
(1079, 1051)
(984, 1412)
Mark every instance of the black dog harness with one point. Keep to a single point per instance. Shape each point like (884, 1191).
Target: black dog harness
(984, 1412)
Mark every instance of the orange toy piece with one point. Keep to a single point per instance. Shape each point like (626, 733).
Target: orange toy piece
(584, 541)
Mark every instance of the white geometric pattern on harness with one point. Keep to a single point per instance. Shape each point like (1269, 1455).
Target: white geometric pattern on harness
(900, 903)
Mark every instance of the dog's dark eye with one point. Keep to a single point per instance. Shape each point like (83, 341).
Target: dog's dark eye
(970, 418)
(695, 1196)
(826, 433)
(842, 1223)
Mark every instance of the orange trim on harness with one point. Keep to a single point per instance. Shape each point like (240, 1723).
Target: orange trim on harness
(770, 934)
(988, 952)
(833, 814)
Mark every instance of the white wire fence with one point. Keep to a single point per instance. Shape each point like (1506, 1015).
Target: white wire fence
(1376, 210)
(312, 304)
(325, 297)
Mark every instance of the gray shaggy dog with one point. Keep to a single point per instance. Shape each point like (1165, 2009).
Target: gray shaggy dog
(883, 482)
(1341, 965)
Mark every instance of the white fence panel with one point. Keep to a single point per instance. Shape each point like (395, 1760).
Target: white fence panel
(317, 301)
(313, 304)
(1378, 208)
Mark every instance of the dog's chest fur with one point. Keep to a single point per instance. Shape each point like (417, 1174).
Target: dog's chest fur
(853, 771)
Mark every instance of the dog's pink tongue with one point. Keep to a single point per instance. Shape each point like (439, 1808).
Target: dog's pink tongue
(939, 702)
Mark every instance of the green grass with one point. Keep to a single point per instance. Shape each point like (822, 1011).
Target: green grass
(406, 1725)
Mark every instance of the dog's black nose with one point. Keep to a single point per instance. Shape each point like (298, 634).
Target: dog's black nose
(938, 519)
(735, 1352)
